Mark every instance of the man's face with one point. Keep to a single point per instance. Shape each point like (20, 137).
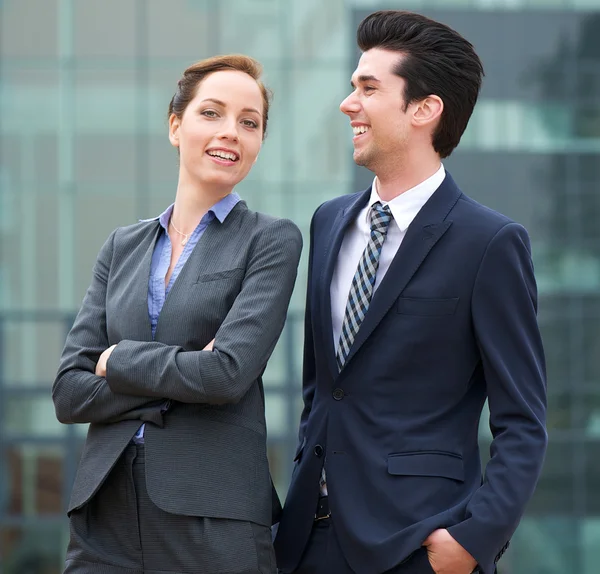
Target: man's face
(382, 128)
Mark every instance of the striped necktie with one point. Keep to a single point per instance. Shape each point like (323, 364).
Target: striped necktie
(363, 282)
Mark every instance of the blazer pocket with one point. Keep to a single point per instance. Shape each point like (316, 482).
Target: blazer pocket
(427, 463)
(226, 274)
(299, 450)
(427, 307)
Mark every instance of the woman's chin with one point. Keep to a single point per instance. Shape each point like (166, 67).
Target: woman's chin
(217, 180)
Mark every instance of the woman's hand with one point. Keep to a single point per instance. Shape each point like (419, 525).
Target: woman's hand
(210, 346)
(101, 364)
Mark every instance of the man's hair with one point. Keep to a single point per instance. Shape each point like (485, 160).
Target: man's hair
(436, 61)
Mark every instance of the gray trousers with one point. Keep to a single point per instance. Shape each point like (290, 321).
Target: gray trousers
(121, 531)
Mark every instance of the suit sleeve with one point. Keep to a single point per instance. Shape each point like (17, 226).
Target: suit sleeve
(79, 395)
(309, 370)
(243, 343)
(504, 311)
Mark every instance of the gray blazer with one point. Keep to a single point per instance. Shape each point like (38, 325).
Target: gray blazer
(206, 455)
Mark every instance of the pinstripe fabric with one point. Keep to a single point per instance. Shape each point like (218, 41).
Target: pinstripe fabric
(205, 456)
(121, 531)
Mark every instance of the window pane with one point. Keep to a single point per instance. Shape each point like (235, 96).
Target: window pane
(30, 415)
(24, 36)
(33, 477)
(29, 349)
(32, 549)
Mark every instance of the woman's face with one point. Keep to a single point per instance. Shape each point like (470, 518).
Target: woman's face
(220, 133)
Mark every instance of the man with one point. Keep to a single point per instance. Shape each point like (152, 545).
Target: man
(421, 304)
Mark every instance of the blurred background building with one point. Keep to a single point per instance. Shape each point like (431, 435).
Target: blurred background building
(84, 89)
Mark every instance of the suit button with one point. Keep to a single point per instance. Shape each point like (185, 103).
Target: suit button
(318, 451)
(338, 394)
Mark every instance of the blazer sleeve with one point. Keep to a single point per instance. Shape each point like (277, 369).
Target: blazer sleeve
(243, 343)
(79, 395)
(504, 309)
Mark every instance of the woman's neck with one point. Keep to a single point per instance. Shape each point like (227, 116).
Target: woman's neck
(192, 204)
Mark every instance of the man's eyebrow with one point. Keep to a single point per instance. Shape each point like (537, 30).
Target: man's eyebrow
(364, 78)
(224, 105)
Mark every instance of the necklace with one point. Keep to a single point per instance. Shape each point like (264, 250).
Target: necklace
(184, 235)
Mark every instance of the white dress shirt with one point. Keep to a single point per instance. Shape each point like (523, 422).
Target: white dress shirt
(404, 209)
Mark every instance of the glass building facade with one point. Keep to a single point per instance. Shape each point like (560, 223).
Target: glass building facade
(84, 89)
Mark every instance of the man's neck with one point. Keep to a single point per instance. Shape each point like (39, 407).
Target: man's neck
(392, 183)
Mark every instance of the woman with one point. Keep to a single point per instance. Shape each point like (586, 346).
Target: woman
(166, 355)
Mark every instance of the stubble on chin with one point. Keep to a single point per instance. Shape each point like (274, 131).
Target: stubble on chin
(363, 160)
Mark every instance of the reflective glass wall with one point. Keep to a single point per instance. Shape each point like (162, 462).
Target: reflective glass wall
(84, 89)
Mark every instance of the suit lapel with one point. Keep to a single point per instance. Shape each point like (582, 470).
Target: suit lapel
(338, 229)
(139, 284)
(423, 233)
(214, 236)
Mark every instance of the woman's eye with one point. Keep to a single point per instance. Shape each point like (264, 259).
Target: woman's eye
(250, 123)
(209, 113)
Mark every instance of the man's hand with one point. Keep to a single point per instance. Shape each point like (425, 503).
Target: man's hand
(101, 364)
(446, 555)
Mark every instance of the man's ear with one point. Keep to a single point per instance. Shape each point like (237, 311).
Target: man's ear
(428, 111)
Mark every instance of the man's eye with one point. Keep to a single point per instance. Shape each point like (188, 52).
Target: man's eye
(369, 88)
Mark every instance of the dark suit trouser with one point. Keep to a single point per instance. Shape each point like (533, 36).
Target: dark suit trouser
(323, 555)
(121, 531)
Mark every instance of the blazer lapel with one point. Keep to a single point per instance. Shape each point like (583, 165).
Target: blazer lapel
(140, 286)
(422, 234)
(343, 218)
(215, 235)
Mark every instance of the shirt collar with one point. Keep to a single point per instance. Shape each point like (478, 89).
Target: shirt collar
(405, 206)
(220, 210)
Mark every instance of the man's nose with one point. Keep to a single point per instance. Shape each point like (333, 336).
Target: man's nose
(350, 105)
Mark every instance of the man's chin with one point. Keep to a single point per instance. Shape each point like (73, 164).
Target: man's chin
(361, 160)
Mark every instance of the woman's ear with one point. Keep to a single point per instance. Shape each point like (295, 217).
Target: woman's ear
(174, 125)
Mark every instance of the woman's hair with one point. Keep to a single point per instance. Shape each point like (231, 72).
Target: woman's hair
(193, 76)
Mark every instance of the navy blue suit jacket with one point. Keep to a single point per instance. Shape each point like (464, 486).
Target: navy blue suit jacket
(452, 323)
